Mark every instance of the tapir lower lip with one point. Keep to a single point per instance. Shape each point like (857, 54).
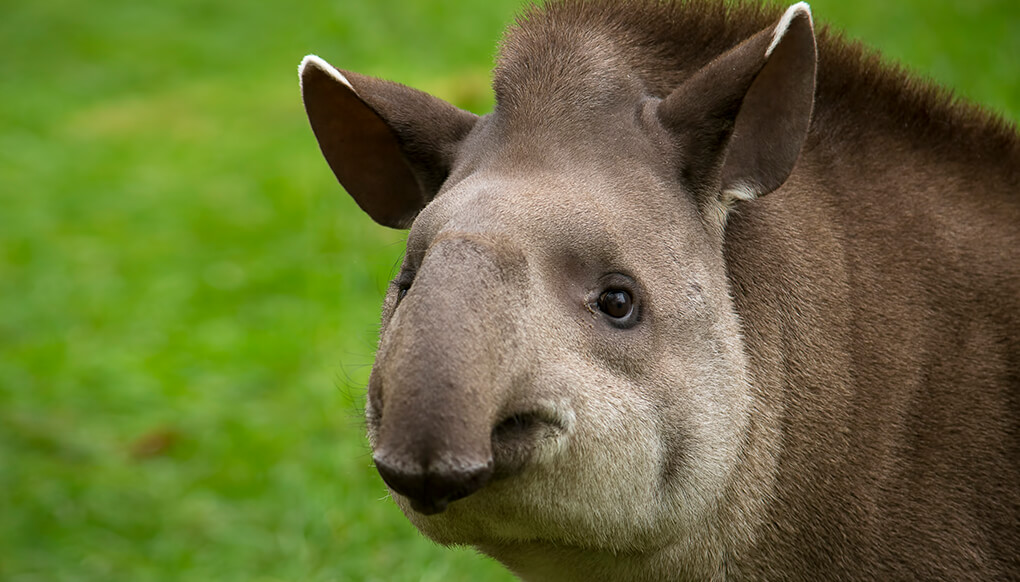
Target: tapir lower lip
(431, 508)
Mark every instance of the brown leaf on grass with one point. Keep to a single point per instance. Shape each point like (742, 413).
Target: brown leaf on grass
(155, 443)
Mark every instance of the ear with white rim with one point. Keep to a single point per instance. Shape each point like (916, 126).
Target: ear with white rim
(740, 122)
(390, 146)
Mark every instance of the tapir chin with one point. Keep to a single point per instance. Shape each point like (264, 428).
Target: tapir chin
(709, 295)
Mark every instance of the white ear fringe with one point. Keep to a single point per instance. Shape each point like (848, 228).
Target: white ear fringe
(718, 211)
(314, 61)
(784, 23)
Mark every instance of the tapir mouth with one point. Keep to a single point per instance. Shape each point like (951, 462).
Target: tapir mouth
(517, 441)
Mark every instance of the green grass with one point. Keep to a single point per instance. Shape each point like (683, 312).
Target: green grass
(189, 303)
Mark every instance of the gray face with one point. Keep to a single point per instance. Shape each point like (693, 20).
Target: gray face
(564, 313)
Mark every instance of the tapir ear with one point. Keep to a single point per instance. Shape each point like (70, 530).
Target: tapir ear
(390, 146)
(739, 122)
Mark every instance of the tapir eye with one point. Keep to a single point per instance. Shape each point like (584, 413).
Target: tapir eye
(618, 298)
(616, 303)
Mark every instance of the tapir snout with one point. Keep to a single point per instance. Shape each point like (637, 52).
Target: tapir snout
(446, 405)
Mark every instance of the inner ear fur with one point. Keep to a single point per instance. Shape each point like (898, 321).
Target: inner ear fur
(390, 146)
(739, 122)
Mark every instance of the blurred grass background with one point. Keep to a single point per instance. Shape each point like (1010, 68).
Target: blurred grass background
(189, 302)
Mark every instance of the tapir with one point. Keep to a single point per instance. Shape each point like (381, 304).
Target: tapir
(708, 295)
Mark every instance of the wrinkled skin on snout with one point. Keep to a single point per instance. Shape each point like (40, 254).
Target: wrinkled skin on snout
(561, 377)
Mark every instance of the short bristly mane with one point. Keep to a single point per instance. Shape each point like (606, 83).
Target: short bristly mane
(560, 54)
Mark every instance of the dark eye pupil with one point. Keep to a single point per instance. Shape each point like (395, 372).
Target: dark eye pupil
(401, 291)
(615, 303)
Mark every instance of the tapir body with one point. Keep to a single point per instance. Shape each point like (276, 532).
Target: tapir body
(707, 296)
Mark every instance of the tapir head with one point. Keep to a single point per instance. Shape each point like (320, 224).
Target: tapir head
(560, 359)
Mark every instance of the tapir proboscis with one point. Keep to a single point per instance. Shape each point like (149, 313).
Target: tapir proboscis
(709, 295)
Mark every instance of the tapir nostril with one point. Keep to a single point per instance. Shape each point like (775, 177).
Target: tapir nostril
(517, 438)
(431, 489)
